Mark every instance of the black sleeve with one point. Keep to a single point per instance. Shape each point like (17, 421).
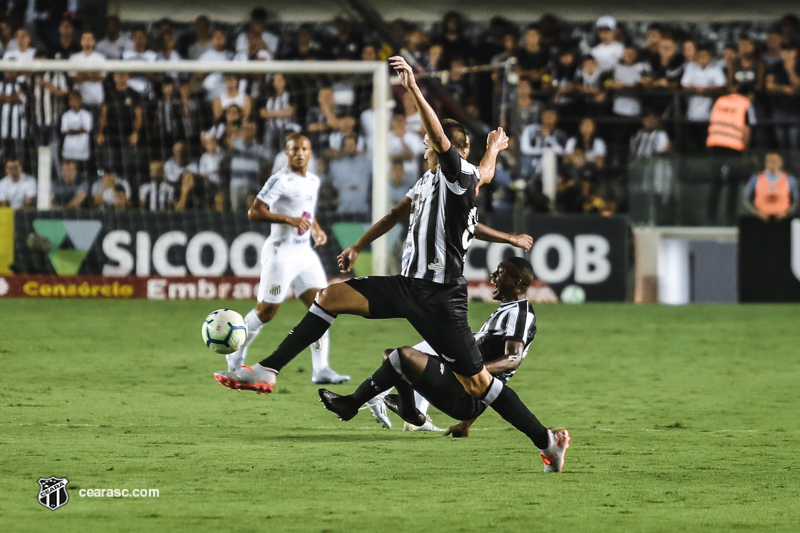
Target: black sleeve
(454, 169)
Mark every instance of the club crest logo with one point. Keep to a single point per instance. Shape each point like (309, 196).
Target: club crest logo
(275, 290)
(53, 492)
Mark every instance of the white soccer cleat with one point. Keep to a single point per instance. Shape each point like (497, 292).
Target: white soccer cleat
(328, 376)
(378, 410)
(255, 378)
(553, 456)
(427, 426)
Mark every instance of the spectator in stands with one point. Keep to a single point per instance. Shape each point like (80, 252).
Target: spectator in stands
(114, 43)
(533, 59)
(651, 139)
(230, 128)
(703, 81)
(405, 148)
(258, 28)
(783, 83)
(278, 114)
(23, 50)
(458, 81)
(746, 74)
(89, 84)
(628, 75)
(321, 119)
(351, 176)
(562, 78)
(538, 137)
(202, 38)
(141, 82)
(17, 190)
(48, 101)
(209, 166)
(689, 51)
(13, 122)
(167, 50)
(156, 194)
(523, 110)
(653, 38)
(255, 50)
(6, 36)
(413, 118)
(165, 125)
(66, 44)
(590, 82)
(452, 40)
(191, 194)
(121, 198)
(231, 96)
(772, 193)
(178, 165)
(77, 127)
(608, 51)
(771, 53)
(667, 67)
(191, 114)
(347, 43)
(245, 165)
(345, 127)
(593, 148)
(304, 48)
(213, 83)
(71, 190)
(418, 46)
(105, 190)
(120, 128)
(570, 189)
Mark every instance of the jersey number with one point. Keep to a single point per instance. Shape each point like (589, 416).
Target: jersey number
(469, 233)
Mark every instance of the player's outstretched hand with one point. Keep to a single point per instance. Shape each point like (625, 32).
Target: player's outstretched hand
(522, 240)
(458, 431)
(347, 259)
(497, 139)
(404, 71)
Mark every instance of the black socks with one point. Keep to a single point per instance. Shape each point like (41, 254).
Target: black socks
(308, 331)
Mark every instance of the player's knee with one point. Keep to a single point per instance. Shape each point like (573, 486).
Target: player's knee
(410, 360)
(387, 353)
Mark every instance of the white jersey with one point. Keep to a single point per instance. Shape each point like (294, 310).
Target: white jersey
(290, 194)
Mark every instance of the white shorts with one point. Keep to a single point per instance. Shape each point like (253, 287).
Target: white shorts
(287, 266)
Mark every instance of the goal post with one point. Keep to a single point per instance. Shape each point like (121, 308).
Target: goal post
(376, 71)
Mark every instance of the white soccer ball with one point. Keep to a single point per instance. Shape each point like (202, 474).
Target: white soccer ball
(573, 294)
(224, 331)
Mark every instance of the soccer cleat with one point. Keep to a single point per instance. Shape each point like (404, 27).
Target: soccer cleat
(328, 376)
(378, 411)
(340, 405)
(553, 456)
(427, 426)
(255, 378)
(415, 417)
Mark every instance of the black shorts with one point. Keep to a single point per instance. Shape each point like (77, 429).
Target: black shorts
(440, 386)
(437, 311)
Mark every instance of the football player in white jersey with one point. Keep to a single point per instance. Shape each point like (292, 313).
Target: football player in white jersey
(288, 201)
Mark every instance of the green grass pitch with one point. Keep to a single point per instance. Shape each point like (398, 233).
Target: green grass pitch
(682, 419)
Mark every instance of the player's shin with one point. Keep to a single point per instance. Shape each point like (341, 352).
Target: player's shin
(388, 375)
(237, 358)
(505, 401)
(310, 329)
(319, 353)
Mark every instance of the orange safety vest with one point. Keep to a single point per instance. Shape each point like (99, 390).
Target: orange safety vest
(728, 124)
(773, 197)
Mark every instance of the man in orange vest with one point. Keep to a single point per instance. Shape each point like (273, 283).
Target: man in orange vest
(772, 192)
(728, 137)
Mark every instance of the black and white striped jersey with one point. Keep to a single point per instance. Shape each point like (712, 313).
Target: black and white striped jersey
(512, 321)
(442, 222)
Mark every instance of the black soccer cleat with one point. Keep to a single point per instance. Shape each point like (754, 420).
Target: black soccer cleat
(412, 415)
(340, 405)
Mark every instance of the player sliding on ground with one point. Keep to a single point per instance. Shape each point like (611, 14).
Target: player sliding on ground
(503, 340)
(288, 201)
(431, 292)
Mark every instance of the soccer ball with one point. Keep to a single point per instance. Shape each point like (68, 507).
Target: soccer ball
(224, 331)
(573, 294)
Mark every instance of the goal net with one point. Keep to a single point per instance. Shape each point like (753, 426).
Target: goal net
(148, 169)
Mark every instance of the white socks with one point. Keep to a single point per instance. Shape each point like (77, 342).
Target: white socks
(422, 403)
(319, 352)
(236, 359)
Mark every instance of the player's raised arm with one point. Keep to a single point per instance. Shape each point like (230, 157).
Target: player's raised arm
(496, 142)
(347, 258)
(430, 121)
(520, 240)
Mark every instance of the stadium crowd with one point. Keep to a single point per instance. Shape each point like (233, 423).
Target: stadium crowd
(599, 94)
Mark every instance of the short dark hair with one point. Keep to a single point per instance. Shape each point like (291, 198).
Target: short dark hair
(775, 152)
(139, 27)
(523, 267)
(455, 133)
(294, 137)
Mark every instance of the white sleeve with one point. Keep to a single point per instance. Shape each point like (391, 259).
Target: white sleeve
(662, 141)
(271, 190)
(86, 121)
(599, 147)
(64, 128)
(2, 191)
(525, 145)
(571, 143)
(31, 188)
(686, 79)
